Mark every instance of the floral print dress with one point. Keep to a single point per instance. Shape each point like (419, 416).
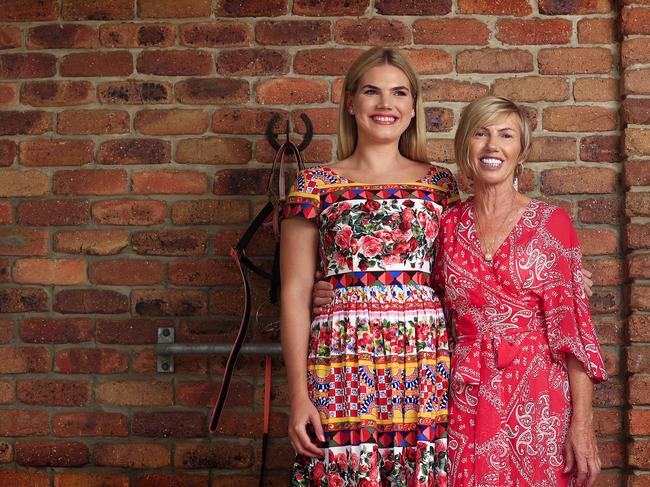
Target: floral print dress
(378, 364)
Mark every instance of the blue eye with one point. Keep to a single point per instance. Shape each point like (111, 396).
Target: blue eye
(401, 93)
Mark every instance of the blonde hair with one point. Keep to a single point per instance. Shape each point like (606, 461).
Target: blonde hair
(480, 113)
(412, 143)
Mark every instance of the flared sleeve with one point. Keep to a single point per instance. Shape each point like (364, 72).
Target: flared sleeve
(303, 199)
(567, 317)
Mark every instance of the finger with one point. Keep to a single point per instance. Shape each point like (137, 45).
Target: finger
(568, 459)
(583, 471)
(318, 275)
(303, 443)
(317, 310)
(587, 273)
(318, 427)
(322, 300)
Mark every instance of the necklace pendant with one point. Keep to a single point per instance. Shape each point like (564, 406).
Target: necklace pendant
(488, 257)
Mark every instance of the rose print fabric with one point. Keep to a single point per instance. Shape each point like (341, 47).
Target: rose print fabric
(516, 320)
(378, 364)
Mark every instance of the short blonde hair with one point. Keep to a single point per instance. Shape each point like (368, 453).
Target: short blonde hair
(412, 143)
(480, 113)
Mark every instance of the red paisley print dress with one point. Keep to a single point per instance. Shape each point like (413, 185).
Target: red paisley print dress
(516, 320)
(378, 362)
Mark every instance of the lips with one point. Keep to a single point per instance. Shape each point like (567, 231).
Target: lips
(491, 162)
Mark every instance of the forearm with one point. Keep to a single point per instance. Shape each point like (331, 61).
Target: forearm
(295, 325)
(581, 393)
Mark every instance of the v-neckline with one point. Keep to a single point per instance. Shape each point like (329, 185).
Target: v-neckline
(477, 240)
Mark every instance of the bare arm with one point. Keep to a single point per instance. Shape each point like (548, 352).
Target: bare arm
(298, 252)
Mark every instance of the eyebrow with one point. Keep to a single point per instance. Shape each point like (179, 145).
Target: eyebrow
(393, 88)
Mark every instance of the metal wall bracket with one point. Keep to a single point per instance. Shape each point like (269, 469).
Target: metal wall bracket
(165, 362)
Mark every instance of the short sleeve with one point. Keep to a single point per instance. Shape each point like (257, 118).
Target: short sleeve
(446, 180)
(568, 320)
(303, 199)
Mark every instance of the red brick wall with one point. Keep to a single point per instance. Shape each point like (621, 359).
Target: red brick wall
(131, 140)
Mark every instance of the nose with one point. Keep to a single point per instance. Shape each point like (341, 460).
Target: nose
(492, 142)
(383, 101)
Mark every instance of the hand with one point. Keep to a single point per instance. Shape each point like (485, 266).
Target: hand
(304, 415)
(322, 293)
(586, 279)
(581, 454)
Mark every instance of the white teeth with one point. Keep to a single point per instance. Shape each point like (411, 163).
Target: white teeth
(489, 161)
(384, 119)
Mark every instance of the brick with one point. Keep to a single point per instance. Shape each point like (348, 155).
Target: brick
(639, 266)
(291, 91)
(640, 298)
(635, 21)
(214, 150)
(635, 51)
(93, 64)
(67, 393)
(450, 31)
(171, 480)
(253, 62)
(10, 37)
(91, 242)
(609, 394)
(7, 396)
(210, 212)
(451, 90)
(25, 123)
(595, 89)
(172, 9)
(290, 33)
(534, 31)
(135, 92)
(91, 10)
(170, 242)
(6, 214)
(635, 111)
(242, 121)
(204, 394)
(604, 301)
(638, 359)
(49, 271)
(518, 8)
(638, 328)
(171, 122)
(637, 236)
(127, 272)
(636, 142)
(20, 66)
(137, 35)
(8, 94)
(600, 149)
(56, 330)
(413, 7)
(638, 479)
(578, 180)
(21, 422)
(637, 204)
(561, 7)
(606, 210)
(575, 60)
(8, 150)
(324, 61)
(318, 152)
(203, 273)
(90, 480)
(636, 82)
(22, 360)
(132, 456)
(134, 151)
(29, 10)
(598, 241)
(170, 182)
(639, 453)
(607, 272)
(491, 60)
(181, 424)
(129, 212)
(61, 36)
(56, 152)
(53, 212)
(212, 91)
(51, 453)
(23, 183)
(241, 182)
(91, 361)
(7, 332)
(57, 93)
(169, 302)
(137, 331)
(216, 34)
(428, 61)
(639, 421)
(23, 241)
(635, 173)
(175, 63)
(329, 8)
(548, 149)
(597, 31)
(201, 456)
(532, 89)
(90, 301)
(375, 32)
(441, 150)
(134, 393)
(93, 122)
(324, 120)
(579, 119)
(638, 387)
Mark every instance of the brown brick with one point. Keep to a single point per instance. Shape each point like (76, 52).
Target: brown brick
(19, 65)
(91, 10)
(637, 236)
(173, 9)
(450, 31)
(318, 152)
(171, 122)
(23, 241)
(204, 394)
(132, 455)
(212, 91)
(636, 111)
(20, 422)
(534, 31)
(600, 149)
(579, 180)
(91, 242)
(639, 266)
(51, 453)
(638, 328)
(203, 273)
(575, 60)
(7, 334)
(597, 242)
(57, 93)
(49, 271)
(56, 330)
(179, 424)
(171, 242)
(20, 360)
(491, 60)
(637, 204)
(595, 89)
(127, 272)
(113, 63)
(292, 32)
(137, 35)
(242, 121)
(213, 456)
(253, 62)
(532, 88)
(606, 210)
(134, 151)
(129, 212)
(216, 34)
(175, 63)
(639, 453)
(519, 8)
(61, 36)
(324, 120)
(135, 92)
(291, 91)
(441, 150)
(638, 359)
(87, 122)
(169, 302)
(170, 182)
(636, 82)
(427, 61)
(56, 152)
(376, 32)
(638, 387)
(636, 142)
(134, 393)
(241, 181)
(640, 297)
(597, 31)
(23, 183)
(29, 10)
(90, 424)
(413, 7)
(579, 119)
(214, 150)
(635, 173)
(635, 51)
(91, 361)
(10, 37)
(451, 90)
(6, 214)
(7, 396)
(639, 421)
(603, 300)
(90, 480)
(209, 212)
(172, 480)
(635, 21)
(90, 301)
(130, 332)
(25, 123)
(561, 7)
(53, 212)
(607, 272)
(8, 94)
(44, 392)
(324, 61)
(328, 7)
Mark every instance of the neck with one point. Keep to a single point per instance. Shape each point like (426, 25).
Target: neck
(377, 156)
(494, 198)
